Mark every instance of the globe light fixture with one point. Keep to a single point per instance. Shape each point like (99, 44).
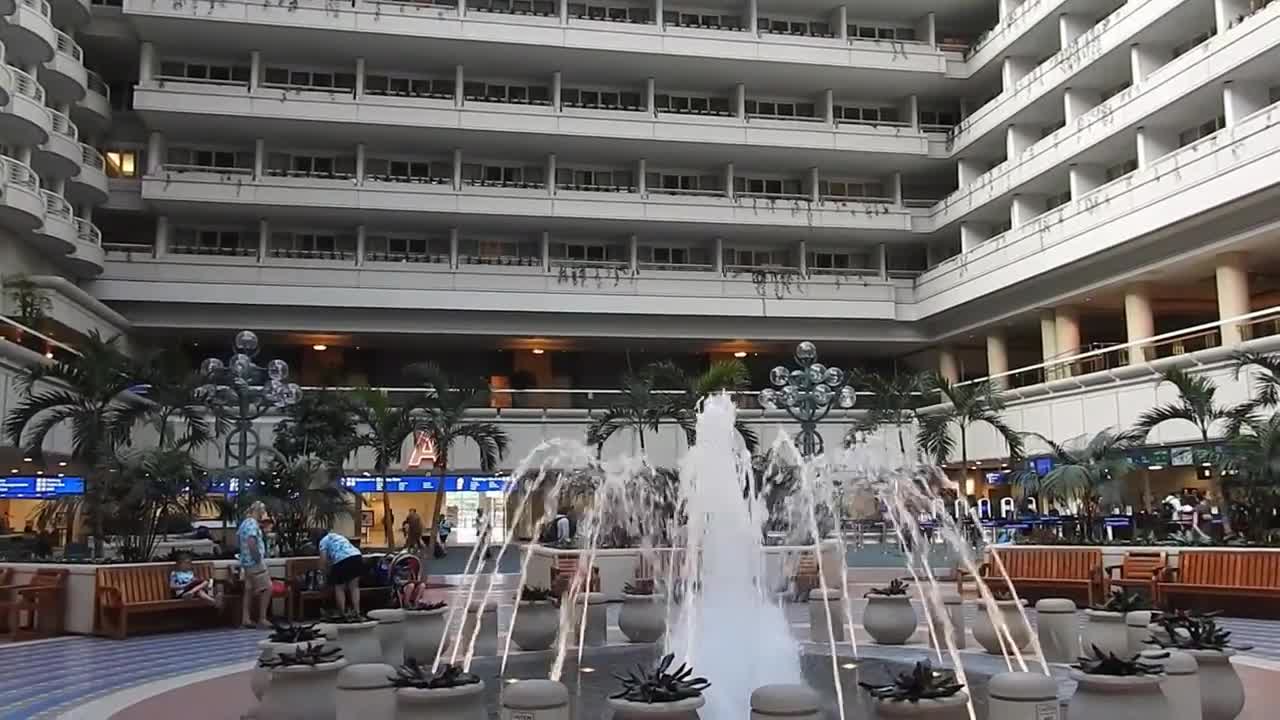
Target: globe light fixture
(245, 391)
(808, 393)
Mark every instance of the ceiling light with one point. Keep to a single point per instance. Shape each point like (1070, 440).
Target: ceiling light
(26, 458)
(49, 354)
(538, 351)
(62, 464)
(13, 470)
(1155, 467)
(740, 354)
(62, 474)
(319, 347)
(1206, 464)
(850, 666)
(588, 669)
(39, 472)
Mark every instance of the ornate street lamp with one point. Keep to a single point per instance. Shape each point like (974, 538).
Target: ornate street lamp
(808, 393)
(245, 391)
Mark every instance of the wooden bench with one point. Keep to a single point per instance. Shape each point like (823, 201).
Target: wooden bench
(1036, 573)
(1140, 570)
(42, 602)
(297, 595)
(143, 590)
(1224, 576)
(564, 570)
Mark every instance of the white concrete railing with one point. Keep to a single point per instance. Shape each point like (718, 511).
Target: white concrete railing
(68, 46)
(27, 85)
(63, 126)
(97, 85)
(19, 174)
(87, 232)
(91, 157)
(57, 206)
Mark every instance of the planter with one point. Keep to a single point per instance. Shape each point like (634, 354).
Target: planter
(889, 619)
(1181, 683)
(984, 631)
(359, 642)
(955, 707)
(794, 702)
(1020, 695)
(260, 678)
(1059, 632)
(953, 607)
(423, 632)
(1117, 698)
(465, 702)
(364, 692)
(819, 601)
(681, 710)
(536, 626)
(535, 700)
(1221, 693)
(597, 631)
(1137, 628)
(390, 635)
(487, 640)
(642, 619)
(1106, 631)
(304, 692)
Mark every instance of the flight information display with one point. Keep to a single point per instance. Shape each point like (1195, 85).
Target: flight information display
(39, 486)
(396, 484)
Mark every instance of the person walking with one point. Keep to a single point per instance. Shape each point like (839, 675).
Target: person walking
(413, 531)
(443, 528)
(253, 567)
(343, 567)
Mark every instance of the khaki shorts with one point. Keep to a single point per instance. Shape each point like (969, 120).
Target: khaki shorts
(257, 580)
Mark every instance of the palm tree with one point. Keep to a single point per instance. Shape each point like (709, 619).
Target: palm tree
(89, 393)
(385, 426)
(1196, 404)
(443, 417)
(1082, 471)
(1250, 466)
(975, 403)
(299, 495)
(174, 397)
(893, 402)
(1266, 386)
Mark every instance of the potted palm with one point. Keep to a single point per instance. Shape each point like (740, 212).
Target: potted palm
(921, 692)
(285, 638)
(450, 693)
(986, 630)
(423, 629)
(889, 618)
(537, 622)
(302, 684)
(1221, 692)
(1113, 687)
(659, 693)
(642, 619)
(1106, 629)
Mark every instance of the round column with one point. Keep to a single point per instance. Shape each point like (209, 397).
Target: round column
(535, 700)
(1059, 630)
(364, 692)
(793, 702)
(1181, 684)
(1023, 696)
(819, 601)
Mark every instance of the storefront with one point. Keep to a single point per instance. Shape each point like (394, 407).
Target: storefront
(465, 496)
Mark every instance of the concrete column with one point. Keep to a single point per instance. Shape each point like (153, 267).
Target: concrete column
(1242, 99)
(156, 153)
(997, 356)
(717, 252)
(162, 235)
(642, 172)
(360, 73)
(829, 106)
(557, 84)
(840, 22)
(815, 195)
(458, 83)
(1146, 59)
(564, 12)
(264, 239)
(948, 366)
(1078, 101)
(969, 170)
(657, 14)
(753, 16)
(1014, 69)
(551, 173)
(802, 259)
(453, 248)
(728, 181)
(1085, 179)
(457, 169)
(882, 261)
(913, 112)
(740, 101)
(259, 158)
(255, 70)
(930, 255)
(146, 64)
(1153, 144)
(462, 8)
(58, 187)
(87, 213)
(964, 108)
(1067, 325)
(633, 253)
(1139, 321)
(1233, 295)
(1018, 138)
(651, 94)
(362, 244)
(973, 234)
(546, 251)
(927, 29)
(1025, 208)
(1225, 13)
(1048, 335)
(1005, 8)
(895, 188)
(1071, 27)
(361, 162)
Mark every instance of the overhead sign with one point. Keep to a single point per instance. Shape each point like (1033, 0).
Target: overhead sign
(39, 487)
(426, 483)
(424, 451)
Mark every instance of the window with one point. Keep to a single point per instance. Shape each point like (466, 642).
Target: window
(692, 105)
(212, 241)
(866, 114)
(664, 256)
(677, 184)
(836, 262)
(695, 20)
(442, 88)
(769, 187)
(772, 109)
(851, 190)
(601, 99)
(585, 11)
(320, 80)
(205, 72)
(502, 175)
(930, 119)
(1203, 130)
(519, 7)
(401, 248)
(610, 180)
(500, 251)
(589, 252)
(502, 93)
(794, 27)
(1119, 170)
(419, 171)
(755, 258)
(880, 32)
(121, 163)
(185, 158)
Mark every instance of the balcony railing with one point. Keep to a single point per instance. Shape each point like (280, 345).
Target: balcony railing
(91, 158)
(21, 175)
(97, 85)
(86, 232)
(40, 6)
(56, 206)
(68, 46)
(26, 85)
(63, 126)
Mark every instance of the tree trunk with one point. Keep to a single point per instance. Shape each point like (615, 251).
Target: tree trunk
(440, 469)
(387, 524)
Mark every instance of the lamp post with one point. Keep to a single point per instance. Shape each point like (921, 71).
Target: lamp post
(246, 391)
(808, 393)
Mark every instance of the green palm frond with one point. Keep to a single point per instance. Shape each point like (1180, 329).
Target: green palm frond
(966, 405)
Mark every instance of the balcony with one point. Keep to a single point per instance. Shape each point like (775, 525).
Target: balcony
(87, 258)
(28, 34)
(356, 117)
(64, 77)
(93, 111)
(237, 188)
(60, 156)
(58, 230)
(21, 206)
(90, 186)
(24, 120)
(71, 13)
(1224, 167)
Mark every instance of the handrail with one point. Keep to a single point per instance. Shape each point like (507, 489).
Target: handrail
(66, 44)
(56, 205)
(27, 85)
(20, 174)
(40, 6)
(97, 84)
(24, 330)
(91, 157)
(185, 167)
(87, 232)
(63, 126)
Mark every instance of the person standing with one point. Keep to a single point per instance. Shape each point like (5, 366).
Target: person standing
(413, 531)
(343, 567)
(443, 528)
(253, 566)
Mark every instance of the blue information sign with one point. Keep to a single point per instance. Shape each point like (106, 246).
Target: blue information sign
(398, 484)
(35, 486)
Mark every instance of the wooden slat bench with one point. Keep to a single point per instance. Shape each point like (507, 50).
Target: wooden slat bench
(563, 571)
(297, 597)
(1141, 571)
(41, 602)
(1215, 577)
(144, 590)
(1036, 573)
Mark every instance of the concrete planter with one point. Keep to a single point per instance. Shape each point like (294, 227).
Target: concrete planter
(889, 619)
(1117, 698)
(597, 618)
(487, 640)
(1181, 683)
(819, 601)
(682, 710)
(955, 707)
(390, 635)
(260, 678)
(465, 702)
(535, 700)
(536, 626)
(953, 608)
(359, 642)
(642, 619)
(1221, 692)
(423, 632)
(1137, 628)
(794, 702)
(364, 692)
(1107, 632)
(984, 631)
(1059, 632)
(303, 692)
(1022, 695)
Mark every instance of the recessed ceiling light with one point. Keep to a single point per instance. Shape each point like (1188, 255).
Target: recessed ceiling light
(26, 458)
(850, 666)
(49, 354)
(588, 669)
(538, 351)
(1155, 467)
(39, 472)
(62, 464)
(319, 347)
(740, 354)
(13, 470)
(62, 474)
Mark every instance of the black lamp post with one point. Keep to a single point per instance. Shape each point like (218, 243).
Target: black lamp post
(808, 393)
(245, 391)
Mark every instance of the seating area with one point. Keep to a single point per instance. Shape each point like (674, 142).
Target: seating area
(1231, 580)
(300, 592)
(126, 594)
(1036, 573)
(33, 609)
